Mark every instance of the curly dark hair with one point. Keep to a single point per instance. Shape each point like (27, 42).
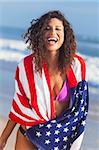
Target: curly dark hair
(34, 38)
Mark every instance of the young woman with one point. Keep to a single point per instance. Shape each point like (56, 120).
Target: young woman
(46, 83)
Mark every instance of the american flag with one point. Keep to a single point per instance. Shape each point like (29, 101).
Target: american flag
(61, 132)
(33, 106)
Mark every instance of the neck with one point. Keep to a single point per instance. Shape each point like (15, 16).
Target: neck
(52, 60)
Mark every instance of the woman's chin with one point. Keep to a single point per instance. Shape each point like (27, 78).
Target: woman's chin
(53, 49)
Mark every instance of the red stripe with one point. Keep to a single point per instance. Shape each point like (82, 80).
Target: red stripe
(83, 67)
(19, 82)
(28, 64)
(18, 110)
(14, 118)
(23, 100)
(49, 86)
(71, 78)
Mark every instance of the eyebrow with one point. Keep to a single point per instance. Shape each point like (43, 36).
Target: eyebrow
(56, 26)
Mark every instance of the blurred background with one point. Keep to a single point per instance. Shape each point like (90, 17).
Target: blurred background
(15, 18)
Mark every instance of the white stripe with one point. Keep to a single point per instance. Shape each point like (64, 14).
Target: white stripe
(19, 116)
(77, 143)
(47, 94)
(27, 111)
(25, 85)
(76, 66)
(17, 87)
(86, 75)
(40, 95)
(23, 79)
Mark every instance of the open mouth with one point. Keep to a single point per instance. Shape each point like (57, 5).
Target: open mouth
(52, 40)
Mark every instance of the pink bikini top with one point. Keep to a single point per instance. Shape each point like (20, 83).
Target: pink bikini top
(63, 95)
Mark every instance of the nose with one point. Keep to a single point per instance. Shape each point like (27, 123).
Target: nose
(52, 31)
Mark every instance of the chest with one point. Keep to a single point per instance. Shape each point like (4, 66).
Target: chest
(57, 82)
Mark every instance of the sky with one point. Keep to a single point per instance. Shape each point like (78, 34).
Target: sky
(83, 15)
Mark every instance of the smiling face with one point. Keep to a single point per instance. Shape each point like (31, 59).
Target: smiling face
(54, 35)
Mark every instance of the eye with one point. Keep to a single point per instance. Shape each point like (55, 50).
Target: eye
(47, 28)
(58, 29)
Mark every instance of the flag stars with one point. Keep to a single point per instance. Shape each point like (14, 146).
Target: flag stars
(56, 148)
(65, 129)
(83, 123)
(57, 132)
(80, 87)
(65, 138)
(86, 113)
(77, 95)
(80, 92)
(73, 128)
(68, 116)
(48, 133)
(64, 115)
(82, 101)
(57, 140)
(38, 134)
(76, 113)
(85, 88)
(75, 120)
(72, 135)
(85, 104)
(47, 142)
(49, 126)
(41, 125)
(58, 125)
(64, 147)
(75, 133)
(53, 121)
(67, 123)
(73, 108)
(82, 108)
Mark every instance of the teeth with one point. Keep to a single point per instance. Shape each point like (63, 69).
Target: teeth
(53, 39)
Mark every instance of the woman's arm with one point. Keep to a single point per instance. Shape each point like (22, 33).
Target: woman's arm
(6, 133)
